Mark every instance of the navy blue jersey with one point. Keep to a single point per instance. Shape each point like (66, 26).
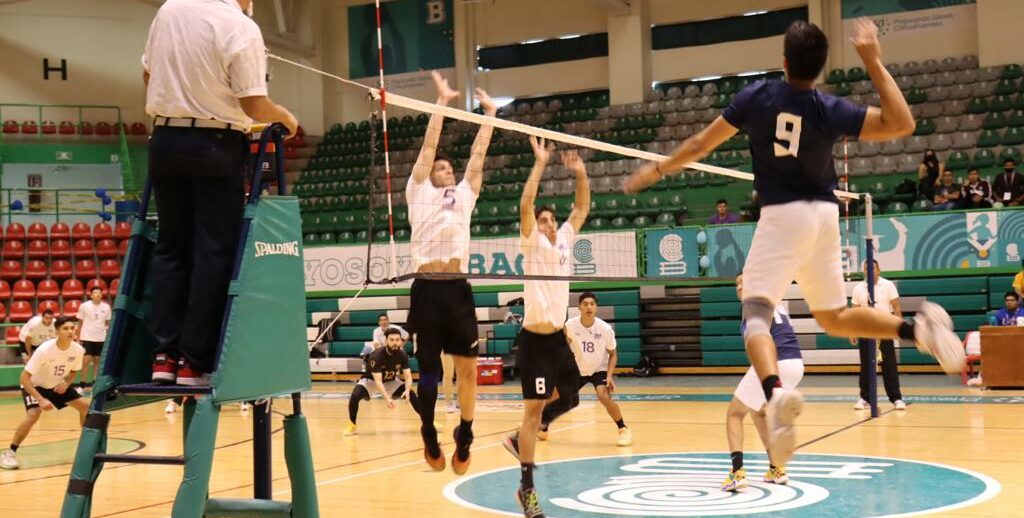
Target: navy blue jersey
(786, 345)
(792, 132)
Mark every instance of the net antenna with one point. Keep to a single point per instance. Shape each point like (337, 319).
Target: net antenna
(387, 161)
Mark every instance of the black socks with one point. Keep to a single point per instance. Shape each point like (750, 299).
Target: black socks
(906, 330)
(526, 471)
(737, 460)
(768, 385)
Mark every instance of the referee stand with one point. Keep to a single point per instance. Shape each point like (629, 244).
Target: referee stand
(262, 354)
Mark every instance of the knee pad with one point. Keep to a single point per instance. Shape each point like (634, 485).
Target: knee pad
(757, 318)
(429, 378)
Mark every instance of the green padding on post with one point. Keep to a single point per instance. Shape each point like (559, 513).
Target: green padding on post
(264, 351)
(247, 508)
(200, 440)
(299, 457)
(84, 468)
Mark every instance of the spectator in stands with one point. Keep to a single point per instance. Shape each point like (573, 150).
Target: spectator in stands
(383, 324)
(928, 174)
(977, 193)
(722, 214)
(1018, 282)
(1011, 311)
(947, 194)
(887, 299)
(1009, 186)
(205, 69)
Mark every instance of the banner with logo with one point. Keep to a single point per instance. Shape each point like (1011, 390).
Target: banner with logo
(858, 8)
(915, 29)
(672, 252)
(599, 254)
(931, 241)
(418, 36)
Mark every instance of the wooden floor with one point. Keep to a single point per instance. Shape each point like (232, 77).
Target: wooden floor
(381, 470)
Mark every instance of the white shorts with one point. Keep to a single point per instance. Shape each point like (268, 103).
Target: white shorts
(797, 241)
(371, 387)
(750, 392)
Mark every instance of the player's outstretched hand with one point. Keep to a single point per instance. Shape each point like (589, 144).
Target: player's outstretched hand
(541, 149)
(572, 161)
(865, 40)
(611, 383)
(486, 102)
(61, 388)
(390, 402)
(45, 405)
(445, 94)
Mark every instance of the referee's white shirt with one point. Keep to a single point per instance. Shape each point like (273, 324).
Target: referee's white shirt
(885, 293)
(202, 56)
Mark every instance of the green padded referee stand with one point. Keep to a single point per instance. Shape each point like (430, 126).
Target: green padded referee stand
(262, 355)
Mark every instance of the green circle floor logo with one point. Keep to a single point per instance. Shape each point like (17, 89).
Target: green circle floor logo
(687, 484)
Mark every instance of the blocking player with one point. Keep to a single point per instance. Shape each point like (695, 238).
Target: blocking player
(441, 312)
(792, 129)
(46, 384)
(381, 377)
(545, 360)
(593, 342)
(749, 398)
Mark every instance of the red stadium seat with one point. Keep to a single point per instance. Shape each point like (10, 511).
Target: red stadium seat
(59, 249)
(106, 249)
(87, 128)
(51, 305)
(59, 270)
(115, 285)
(48, 289)
(10, 126)
(3, 311)
(5, 290)
(35, 270)
(110, 269)
(67, 128)
(122, 247)
(14, 250)
(12, 334)
(71, 307)
(37, 231)
(29, 128)
(20, 311)
(122, 230)
(81, 231)
(72, 289)
(15, 231)
(11, 270)
(60, 231)
(104, 128)
(139, 128)
(83, 249)
(85, 269)
(24, 290)
(102, 230)
(38, 249)
(96, 283)
(49, 128)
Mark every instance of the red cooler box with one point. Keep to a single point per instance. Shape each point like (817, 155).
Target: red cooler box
(490, 370)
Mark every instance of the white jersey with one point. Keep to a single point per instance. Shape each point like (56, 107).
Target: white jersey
(25, 329)
(885, 293)
(592, 344)
(547, 301)
(49, 365)
(439, 217)
(378, 336)
(41, 333)
(94, 318)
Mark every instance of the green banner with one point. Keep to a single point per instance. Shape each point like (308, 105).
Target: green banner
(416, 34)
(672, 252)
(929, 241)
(858, 8)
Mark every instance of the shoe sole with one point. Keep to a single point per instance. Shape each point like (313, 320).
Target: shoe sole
(735, 488)
(436, 464)
(941, 342)
(164, 377)
(194, 382)
(10, 467)
(510, 447)
(783, 433)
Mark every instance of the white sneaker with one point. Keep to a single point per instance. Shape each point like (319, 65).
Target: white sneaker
(781, 414)
(861, 405)
(934, 334)
(899, 404)
(171, 407)
(8, 460)
(452, 407)
(625, 437)
(245, 407)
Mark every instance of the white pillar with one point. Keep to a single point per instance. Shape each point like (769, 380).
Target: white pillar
(629, 54)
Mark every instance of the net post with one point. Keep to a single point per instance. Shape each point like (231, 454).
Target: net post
(869, 280)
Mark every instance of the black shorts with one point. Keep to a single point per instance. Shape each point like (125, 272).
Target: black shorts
(597, 379)
(59, 400)
(22, 349)
(546, 362)
(92, 348)
(443, 316)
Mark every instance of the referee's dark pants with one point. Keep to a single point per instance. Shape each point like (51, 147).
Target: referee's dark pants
(890, 370)
(198, 177)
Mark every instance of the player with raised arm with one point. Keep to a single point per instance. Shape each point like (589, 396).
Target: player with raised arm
(793, 128)
(546, 362)
(441, 312)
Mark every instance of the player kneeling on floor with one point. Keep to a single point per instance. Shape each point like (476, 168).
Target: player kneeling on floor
(749, 398)
(46, 384)
(381, 377)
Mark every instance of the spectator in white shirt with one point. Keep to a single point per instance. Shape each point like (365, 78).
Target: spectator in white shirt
(887, 299)
(94, 317)
(206, 82)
